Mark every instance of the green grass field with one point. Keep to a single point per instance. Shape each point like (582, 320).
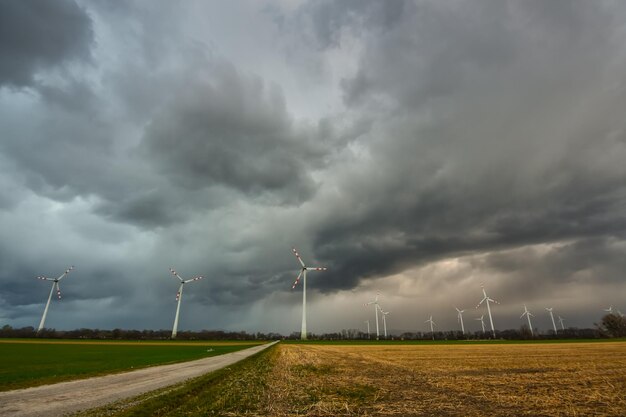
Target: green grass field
(32, 363)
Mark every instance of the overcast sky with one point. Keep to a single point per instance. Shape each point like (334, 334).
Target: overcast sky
(416, 149)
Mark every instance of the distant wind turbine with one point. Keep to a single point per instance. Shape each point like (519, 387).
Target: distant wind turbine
(561, 321)
(179, 297)
(460, 318)
(303, 275)
(55, 284)
(384, 313)
(368, 328)
(376, 307)
(609, 310)
(620, 313)
(488, 300)
(482, 322)
(528, 315)
(549, 310)
(432, 323)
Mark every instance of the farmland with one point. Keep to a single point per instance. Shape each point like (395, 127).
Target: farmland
(453, 380)
(32, 362)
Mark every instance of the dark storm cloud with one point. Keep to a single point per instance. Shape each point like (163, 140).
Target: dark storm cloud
(225, 128)
(37, 35)
(494, 126)
(479, 140)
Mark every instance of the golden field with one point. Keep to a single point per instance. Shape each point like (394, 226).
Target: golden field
(561, 379)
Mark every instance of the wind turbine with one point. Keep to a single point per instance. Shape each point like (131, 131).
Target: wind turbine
(561, 321)
(368, 328)
(179, 297)
(55, 283)
(609, 310)
(384, 313)
(488, 300)
(482, 322)
(620, 313)
(460, 318)
(303, 275)
(432, 323)
(528, 315)
(549, 310)
(376, 307)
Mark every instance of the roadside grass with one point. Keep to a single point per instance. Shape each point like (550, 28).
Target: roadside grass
(240, 389)
(33, 364)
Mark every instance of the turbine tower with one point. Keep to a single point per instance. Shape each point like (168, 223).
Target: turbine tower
(384, 313)
(368, 328)
(376, 307)
(432, 323)
(303, 275)
(482, 322)
(528, 315)
(55, 284)
(549, 310)
(561, 321)
(179, 297)
(488, 300)
(460, 318)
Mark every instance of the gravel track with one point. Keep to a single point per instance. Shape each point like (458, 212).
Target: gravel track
(73, 396)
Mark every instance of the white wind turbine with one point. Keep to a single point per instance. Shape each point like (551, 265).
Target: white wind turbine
(384, 313)
(609, 310)
(368, 328)
(619, 313)
(482, 322)
(55, 284)
(179, 297)
(528, 315)
(549, 310)
(561, 321)
(460, 318)
(303, 275)
(432, 323)
(376, 307)
(488, 300)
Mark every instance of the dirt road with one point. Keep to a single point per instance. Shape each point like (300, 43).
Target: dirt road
(73, 396)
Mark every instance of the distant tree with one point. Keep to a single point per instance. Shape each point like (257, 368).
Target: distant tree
(614, 325)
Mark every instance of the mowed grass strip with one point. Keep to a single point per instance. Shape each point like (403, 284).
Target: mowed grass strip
(31, 364)
(238, 390)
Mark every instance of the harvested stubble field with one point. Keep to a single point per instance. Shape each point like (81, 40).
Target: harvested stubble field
(473, 380)
(577, 379)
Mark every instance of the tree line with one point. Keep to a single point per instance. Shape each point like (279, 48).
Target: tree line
(611, 325)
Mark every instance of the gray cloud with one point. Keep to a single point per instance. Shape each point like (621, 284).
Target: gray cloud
(480, 142)
(225, 128)
(39, 35)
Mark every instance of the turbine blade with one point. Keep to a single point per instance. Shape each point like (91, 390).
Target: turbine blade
(67, 271)
(297, 279)
(320, 268)
(58, 290)
(295, 252)
(177, 295)
(198, 278)
(176, 274)
(44, 278)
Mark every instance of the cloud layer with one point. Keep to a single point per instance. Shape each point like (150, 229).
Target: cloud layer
(415, 148)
